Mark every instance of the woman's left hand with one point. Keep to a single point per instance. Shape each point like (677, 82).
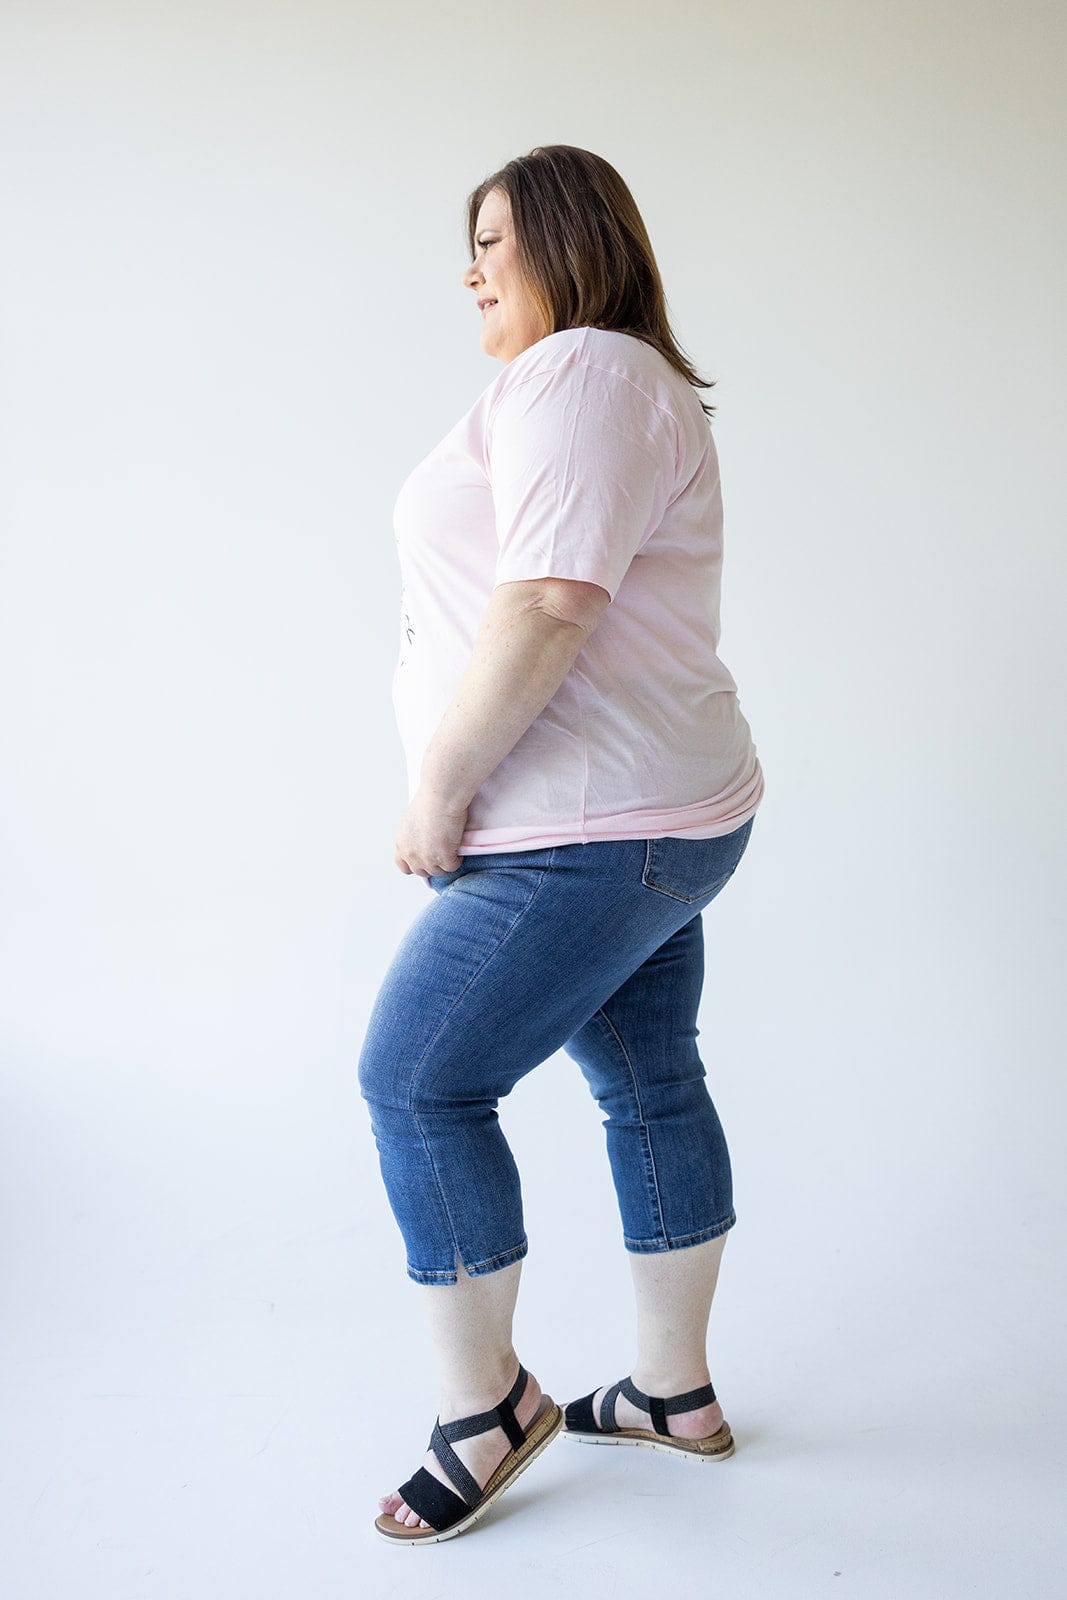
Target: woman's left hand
(429, 832)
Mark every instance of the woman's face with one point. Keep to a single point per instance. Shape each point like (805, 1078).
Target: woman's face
(513, 323)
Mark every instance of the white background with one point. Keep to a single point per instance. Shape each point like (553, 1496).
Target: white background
(232, 320)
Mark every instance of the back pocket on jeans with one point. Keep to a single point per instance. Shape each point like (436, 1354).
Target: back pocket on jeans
(693, 869)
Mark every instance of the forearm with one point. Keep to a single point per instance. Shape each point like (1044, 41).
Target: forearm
(517, 664)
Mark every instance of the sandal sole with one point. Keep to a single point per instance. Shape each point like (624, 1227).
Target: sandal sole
(542, 1430)
(714, 1448)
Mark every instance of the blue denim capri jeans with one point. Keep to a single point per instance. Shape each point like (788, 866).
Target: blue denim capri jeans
(596, 949)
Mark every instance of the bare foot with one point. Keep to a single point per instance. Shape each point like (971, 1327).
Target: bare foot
(481, 1454)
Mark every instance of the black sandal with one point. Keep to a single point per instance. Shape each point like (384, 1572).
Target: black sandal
(582, 1424)
(449, 1513)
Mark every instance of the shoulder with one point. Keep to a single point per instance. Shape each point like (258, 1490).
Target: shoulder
(593, 358)
(603, 349)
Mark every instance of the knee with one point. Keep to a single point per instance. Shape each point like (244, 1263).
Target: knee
(402, 1074)
(392, 1077)
(379, 1074)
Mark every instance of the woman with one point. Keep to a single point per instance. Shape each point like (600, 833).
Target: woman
(582, 784)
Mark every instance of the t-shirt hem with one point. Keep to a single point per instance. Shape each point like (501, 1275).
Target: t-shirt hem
(704, 820)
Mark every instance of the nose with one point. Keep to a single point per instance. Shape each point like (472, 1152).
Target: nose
(471, 276)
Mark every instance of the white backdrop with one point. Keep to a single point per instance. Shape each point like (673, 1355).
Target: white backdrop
(232, 321)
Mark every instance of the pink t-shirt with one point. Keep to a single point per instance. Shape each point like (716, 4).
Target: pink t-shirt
(588, 457)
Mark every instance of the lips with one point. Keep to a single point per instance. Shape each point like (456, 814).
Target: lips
(486, 305)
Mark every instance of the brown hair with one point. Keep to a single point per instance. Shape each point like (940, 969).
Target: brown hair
(584, 249)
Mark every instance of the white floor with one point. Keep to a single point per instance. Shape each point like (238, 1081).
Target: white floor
(218, 1419)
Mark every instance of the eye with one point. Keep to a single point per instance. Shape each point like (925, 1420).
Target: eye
(485, 243)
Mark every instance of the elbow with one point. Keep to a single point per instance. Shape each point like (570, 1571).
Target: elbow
(579, 604)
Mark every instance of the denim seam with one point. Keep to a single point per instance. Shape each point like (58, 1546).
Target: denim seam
(516, 1253)
(501, 1255)
(683, 1239)
(429, 1045)
(641, 1117)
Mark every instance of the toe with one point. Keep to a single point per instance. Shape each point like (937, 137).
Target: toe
(409, 1518)
(395, 1507)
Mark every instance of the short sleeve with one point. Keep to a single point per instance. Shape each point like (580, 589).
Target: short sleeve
(581, 465)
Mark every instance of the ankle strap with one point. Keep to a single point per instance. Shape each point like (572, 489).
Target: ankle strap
(501, 1416)
(660, 1409)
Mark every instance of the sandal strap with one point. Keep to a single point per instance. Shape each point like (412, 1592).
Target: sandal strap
(464, 1480)
(433, 1500)
(660, 1409)
(579, 1414)
(608, 1423)
(501, 1416)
